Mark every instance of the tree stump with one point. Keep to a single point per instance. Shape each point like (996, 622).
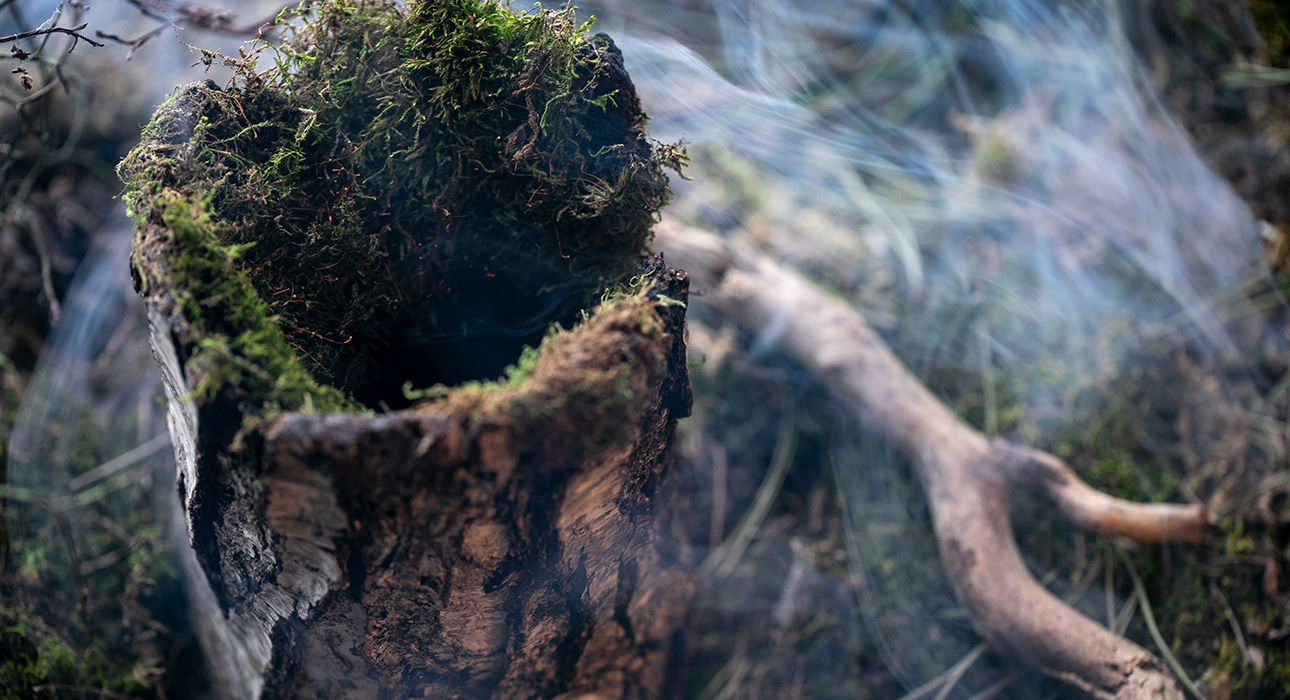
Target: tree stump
(413, 195)
(496, 543)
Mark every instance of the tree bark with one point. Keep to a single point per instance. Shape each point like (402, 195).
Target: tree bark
(494, 543)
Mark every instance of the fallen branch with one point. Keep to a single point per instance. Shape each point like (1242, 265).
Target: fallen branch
(969, 478)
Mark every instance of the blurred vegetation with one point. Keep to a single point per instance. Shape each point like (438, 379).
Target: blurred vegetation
(1170, 422)
(110, 630)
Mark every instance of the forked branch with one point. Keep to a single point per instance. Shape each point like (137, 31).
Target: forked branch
(969, 478)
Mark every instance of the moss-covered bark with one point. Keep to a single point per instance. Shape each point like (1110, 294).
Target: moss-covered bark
(405, 189)
(403, 202)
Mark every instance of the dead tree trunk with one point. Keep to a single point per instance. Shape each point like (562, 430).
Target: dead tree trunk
(410, 195)
(495, 543)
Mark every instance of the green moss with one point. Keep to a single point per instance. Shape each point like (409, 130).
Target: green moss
(401, 180)
(243, 347)
(42, 665)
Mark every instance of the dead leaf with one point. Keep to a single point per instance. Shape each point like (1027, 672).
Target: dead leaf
(23, 76)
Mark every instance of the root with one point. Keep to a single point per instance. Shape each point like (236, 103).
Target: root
(969, 478)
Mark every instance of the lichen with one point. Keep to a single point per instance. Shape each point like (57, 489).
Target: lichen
(402, 183)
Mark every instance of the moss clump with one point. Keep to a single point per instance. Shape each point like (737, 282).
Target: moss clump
(408, 195)
(36, 665)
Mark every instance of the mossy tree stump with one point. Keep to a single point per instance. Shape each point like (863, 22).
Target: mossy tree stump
(496, 543)
(408, 200)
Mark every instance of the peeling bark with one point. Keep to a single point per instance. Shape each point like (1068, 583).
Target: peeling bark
(495, 543)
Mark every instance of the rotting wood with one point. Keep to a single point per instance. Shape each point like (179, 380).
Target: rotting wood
(968, 477)
(490, 544)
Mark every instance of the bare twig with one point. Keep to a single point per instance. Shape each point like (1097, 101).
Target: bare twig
(36, 228)
(116, 464)
(134, 44)
(202, 18)
(74, 32)
(39, 93)
(221, 22)
(995, 689)
(969, 478)
(149, 11)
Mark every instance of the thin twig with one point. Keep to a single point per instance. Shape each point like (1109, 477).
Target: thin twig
(1111, 617)
(730, 676)
(38, 94)
(116, 464)
(1126, 616)
(1081, 585)
(717, 525)
(134, 44)
(37, 231)
(149, 11)
(956, 673)
(74, 32)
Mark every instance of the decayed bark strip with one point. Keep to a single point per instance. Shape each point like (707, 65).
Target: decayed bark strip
(492, 544)
(968, 477)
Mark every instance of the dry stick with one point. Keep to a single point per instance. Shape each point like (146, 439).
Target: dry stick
(37, 231)
(116, 464)
(134, 44)
(74, 32)
(968, 478)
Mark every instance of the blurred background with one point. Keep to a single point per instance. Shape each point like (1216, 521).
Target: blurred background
(1068, 218)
